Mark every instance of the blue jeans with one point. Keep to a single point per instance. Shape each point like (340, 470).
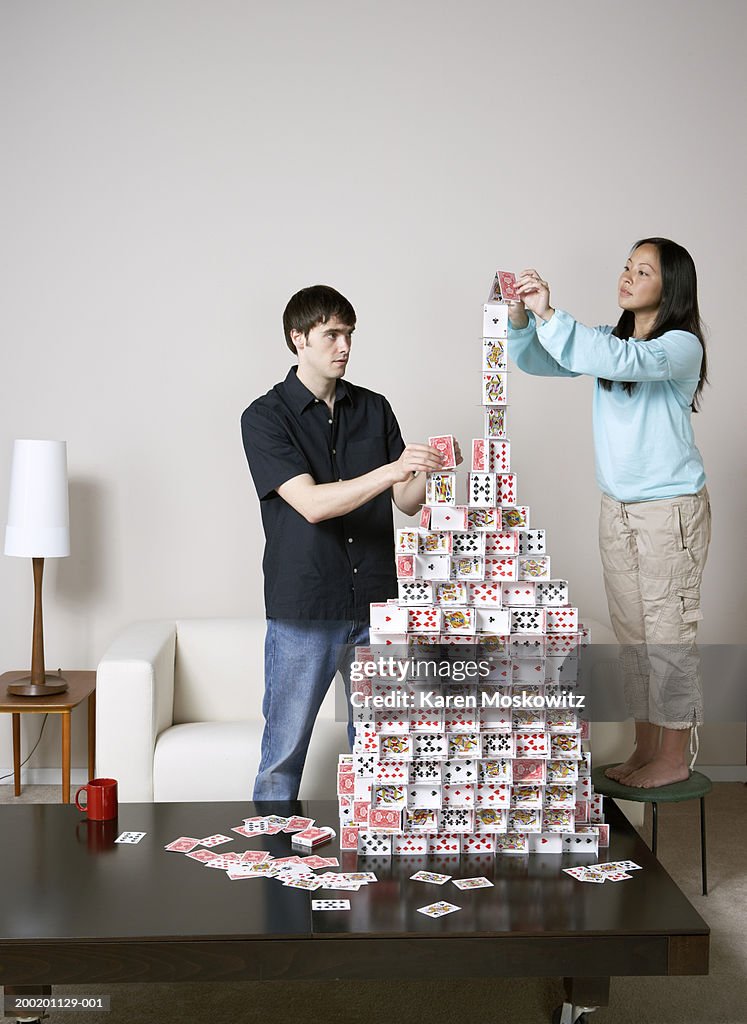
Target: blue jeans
(302, 657)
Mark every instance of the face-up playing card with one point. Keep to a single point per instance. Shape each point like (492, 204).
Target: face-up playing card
(497, 568)
(415, 591)
(184, 844)
(506, 488)
(310, 884)
(495, 316)
(532, 542)
(562, 620)
(438, 909)
(130, 837)
(527, 620)
(433, 567)
(494, 390)
(468, 543)
(516, 518)
(500, 456)
(482, 489)
(496, 423)
(484, 519)
(453, 592)
(435, 542)
(493, 354)
(449, 517)
(215, 840)
(432, 877)
(330, 904)
(440, 489)
(472, 883)
(467, 567)
(534, 568)
(407, 542)
(502, 542)
(552, 592)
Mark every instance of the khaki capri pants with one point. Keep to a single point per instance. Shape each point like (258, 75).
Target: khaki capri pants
(653, 553)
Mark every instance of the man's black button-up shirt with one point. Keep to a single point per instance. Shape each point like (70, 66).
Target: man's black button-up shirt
(332, 569)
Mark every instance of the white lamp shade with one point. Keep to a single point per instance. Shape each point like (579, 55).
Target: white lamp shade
(38, 523)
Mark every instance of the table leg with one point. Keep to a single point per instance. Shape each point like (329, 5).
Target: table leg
(66, 757)
(17, 752)
(92, 736)
(703, 864)
(654, 826)
(583, 994)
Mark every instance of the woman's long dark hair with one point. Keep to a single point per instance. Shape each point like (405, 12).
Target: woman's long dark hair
(678, 310)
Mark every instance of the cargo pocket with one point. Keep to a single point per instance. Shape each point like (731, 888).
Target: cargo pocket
(690, 613)
(680, 536)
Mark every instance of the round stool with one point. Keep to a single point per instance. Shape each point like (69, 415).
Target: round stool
(696, 787)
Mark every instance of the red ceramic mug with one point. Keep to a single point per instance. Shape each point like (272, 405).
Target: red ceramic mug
(101, 799)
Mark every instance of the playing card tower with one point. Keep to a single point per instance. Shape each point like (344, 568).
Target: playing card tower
(467, 738)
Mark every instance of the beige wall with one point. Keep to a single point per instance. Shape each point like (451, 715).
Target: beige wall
(173, 171)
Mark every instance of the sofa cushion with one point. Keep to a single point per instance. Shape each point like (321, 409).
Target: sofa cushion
(219, 760)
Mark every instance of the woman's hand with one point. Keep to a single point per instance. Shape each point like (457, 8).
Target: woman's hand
(517, 314)
(535, 294)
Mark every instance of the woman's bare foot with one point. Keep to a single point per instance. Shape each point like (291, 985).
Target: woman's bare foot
(647, 738)
(662, 771)
(634, 763)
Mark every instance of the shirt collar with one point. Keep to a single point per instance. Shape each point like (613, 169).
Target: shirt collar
(300, 396)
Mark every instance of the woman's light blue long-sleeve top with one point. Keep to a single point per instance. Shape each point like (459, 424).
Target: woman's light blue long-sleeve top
(644, 447)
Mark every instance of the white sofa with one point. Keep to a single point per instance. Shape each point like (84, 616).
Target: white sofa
(179, 713)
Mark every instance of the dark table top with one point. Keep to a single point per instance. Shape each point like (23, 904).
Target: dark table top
(64, 879)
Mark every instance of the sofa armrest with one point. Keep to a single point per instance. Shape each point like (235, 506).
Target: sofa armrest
(134, 703)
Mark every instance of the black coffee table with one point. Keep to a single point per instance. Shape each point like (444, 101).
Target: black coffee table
(77, 910)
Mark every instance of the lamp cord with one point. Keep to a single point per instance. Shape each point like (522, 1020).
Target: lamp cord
(41, 733)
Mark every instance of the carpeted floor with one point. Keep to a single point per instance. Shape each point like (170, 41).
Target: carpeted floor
(719, 998)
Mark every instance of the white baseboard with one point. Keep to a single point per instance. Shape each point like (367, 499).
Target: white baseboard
(44, 776)
(723, 772)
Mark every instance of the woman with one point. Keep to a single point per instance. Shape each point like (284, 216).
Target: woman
(655, 521)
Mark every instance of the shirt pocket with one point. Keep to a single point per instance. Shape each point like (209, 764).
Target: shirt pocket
(363, 455)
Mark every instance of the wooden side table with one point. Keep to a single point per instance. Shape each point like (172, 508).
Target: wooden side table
(81, 685)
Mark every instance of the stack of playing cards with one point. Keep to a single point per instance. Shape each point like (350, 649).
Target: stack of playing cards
(495, 761)
(611, 871)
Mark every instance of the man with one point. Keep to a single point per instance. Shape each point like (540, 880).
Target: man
(327, 458)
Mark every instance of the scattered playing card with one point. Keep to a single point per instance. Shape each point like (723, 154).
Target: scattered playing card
(311, 884)
(130, 837)
(438, 909)
(429, 876)
(215, 840)
(201, 855)
(330, 904)
(472, 883)
(182, 845)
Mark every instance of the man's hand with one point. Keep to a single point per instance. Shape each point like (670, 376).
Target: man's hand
(535, 294)
(409, 491)
(416, 458)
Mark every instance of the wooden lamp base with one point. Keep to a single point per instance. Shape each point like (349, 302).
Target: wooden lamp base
(39, 683)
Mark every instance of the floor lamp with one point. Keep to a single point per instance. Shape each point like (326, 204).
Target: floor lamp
(38, 528)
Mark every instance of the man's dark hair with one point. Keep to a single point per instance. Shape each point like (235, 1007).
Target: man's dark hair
(313, 306)
(678, 310)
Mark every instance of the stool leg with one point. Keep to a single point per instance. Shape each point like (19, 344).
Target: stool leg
(703, 846)
(655, 825)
